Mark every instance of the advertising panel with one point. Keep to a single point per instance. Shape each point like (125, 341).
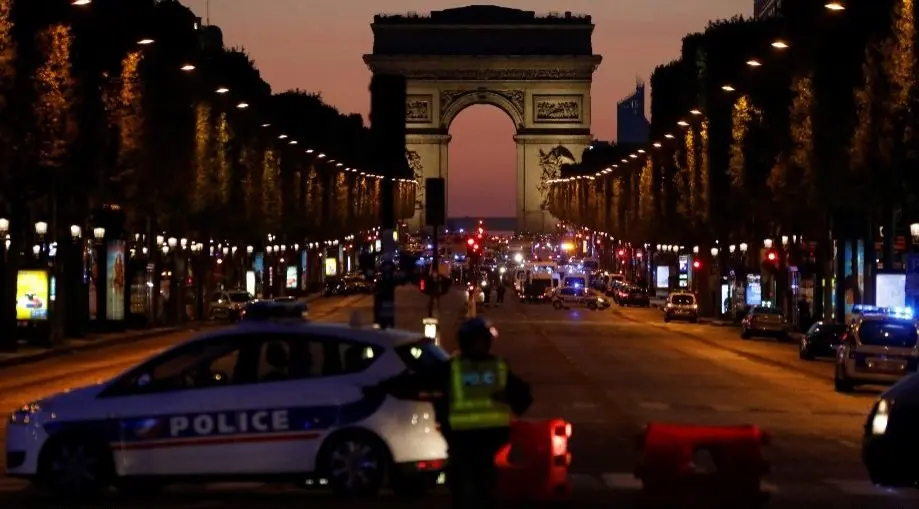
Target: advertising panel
(891, 290)
(32, 295)
(662, 277)
(304, 268)
(250, 281)
(114, 280)
(291, 279)
(754, 290)
(331, 267)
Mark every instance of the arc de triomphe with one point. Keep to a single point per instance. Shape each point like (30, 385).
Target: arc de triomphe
(537, 69)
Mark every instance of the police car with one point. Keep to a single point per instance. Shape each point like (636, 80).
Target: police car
(879, 347)
(268, 399)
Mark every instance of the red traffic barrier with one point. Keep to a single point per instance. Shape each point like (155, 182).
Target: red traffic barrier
(709, 467)
(534, 465)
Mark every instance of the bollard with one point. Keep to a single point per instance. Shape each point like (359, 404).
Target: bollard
(431, 329)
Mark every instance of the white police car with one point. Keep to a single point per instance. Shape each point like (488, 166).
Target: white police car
(265, 399)
(879, 347)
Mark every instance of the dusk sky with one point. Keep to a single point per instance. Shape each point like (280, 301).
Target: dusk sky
(317, 45)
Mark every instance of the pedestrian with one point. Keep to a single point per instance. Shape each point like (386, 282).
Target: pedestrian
(475, 395)
(486, 289)
(805, 320)
(500, 291)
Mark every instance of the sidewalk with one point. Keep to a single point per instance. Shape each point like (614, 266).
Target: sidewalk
(30, 354)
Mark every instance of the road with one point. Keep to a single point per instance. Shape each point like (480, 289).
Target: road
(608, 373)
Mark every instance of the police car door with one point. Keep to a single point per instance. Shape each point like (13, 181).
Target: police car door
(162, 409)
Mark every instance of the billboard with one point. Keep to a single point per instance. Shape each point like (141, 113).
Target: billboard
(291, 279)
(32, 295)
(114, 280)
(891, 290)
(331, 267)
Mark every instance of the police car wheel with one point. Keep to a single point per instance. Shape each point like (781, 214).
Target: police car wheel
(76, 467)
(355, 464)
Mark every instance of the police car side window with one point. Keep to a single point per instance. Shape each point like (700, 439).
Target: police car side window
(345, 358)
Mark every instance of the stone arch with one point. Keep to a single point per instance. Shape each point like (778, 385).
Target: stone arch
(454, 102)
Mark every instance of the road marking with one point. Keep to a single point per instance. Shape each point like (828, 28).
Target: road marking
(727, 408)
(848, 443)
(861, 488)
(654, 405)
(621, 481)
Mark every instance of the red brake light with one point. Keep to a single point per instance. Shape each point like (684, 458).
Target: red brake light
(470, 242)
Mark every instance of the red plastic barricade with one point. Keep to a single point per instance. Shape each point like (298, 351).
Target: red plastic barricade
(534, 465)
(688, 467)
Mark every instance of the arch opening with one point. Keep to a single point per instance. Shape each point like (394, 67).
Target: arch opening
(483, 163)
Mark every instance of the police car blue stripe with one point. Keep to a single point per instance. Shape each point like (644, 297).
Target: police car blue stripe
(294, 423)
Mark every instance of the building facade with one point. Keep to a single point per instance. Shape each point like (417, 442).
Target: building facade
(766, 8)
(631, 124)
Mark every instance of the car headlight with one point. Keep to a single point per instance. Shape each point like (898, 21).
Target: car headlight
(600, 301)
(880, 417)
(24, 415)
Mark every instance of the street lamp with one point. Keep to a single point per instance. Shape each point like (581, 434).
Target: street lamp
(4, 225)
(732, 248)
(75, 231)
(743, 247)
(99, 232)
(695, 249)
(249, 249)
(183, 242)
(714, 252)
(41, 228)
(767, 243)
(835, 6)
(172, 242)
(160, 239)
(784, 240)
(914, 231)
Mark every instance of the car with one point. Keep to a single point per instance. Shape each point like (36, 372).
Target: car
(636, 297)
(229, 305)
(681, 306)
(273, 397)
(889, 445)
(821, 340)
(569, 297)
(765, 321)
(877, 349)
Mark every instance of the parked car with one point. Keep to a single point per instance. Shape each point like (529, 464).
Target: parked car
(636, 297)
(681, 306)
(765, 321)
(228, 305)
(821, 340)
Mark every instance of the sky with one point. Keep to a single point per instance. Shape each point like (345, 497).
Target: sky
(317, 45)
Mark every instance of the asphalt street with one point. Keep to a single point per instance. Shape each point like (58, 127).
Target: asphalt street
(607, 372)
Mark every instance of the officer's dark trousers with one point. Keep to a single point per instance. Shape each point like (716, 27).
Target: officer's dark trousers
(471, 473)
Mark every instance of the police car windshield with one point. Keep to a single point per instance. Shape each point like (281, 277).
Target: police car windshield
(888, 333)
(683, 300)
(240, 297)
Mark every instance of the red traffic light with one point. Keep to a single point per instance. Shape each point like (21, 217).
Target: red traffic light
(622, 252)
(470, 242)
(421, 284)
(771, 256)
(697, 265)
(475, 247)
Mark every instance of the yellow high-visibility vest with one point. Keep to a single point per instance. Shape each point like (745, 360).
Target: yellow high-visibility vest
(473, 385)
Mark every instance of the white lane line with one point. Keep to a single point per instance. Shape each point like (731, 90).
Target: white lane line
(621, 481)
(584, 482)
(654, 405)
(860, 488)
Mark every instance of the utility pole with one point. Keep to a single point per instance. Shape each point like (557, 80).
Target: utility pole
(387, 124)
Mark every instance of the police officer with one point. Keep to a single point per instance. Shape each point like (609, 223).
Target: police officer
(475, 395)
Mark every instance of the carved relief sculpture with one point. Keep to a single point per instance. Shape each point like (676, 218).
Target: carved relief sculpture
(515, 97)
(418, 109)
(414, 163)
(560, 108)
(551, 163)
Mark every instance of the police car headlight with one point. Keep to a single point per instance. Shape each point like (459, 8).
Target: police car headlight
(880, 417)
(25, 414)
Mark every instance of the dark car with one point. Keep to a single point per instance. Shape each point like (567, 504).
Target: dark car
(357, 284)
(635, 297)
(334, 286)
(535, 290)
(821, 340)
(889, 445)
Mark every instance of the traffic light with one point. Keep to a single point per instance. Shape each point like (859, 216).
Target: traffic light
(771, 261)
(622, 253)
(696, 265)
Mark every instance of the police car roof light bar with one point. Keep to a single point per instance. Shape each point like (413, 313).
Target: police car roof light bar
(261, 311)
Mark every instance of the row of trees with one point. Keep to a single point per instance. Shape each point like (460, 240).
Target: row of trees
(134, 103)
(800, 124)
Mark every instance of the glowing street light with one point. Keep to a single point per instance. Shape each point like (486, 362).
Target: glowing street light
(81, 2)
(835, 6)
(222, 90)
(658, 144)
(669, 136)
(695, 111)
(682, 123)
(145, 42)
(242, 106)
(780, 44)
(728, 88)
(754, 63)
(188, 68)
